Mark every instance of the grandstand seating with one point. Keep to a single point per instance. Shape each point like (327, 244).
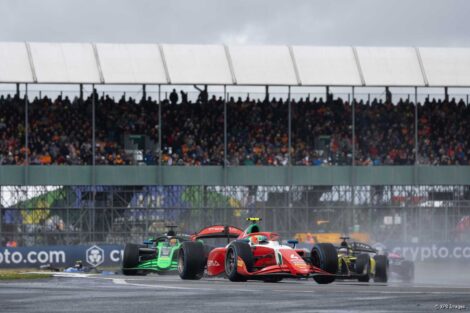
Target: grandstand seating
(60, 132)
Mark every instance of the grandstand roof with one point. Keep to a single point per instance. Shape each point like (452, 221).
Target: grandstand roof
(390, 66)
(197, 64)
(262, 65)
(15, 66)
(448, 67)
(64, 63)
(331, 66)
(233, 65)
(131, 64)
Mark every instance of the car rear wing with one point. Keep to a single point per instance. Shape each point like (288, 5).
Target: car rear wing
(218, 231)
(362, 247)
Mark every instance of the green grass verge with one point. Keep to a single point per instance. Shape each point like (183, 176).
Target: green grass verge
(15, 276)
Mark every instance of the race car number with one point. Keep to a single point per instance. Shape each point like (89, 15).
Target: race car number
(165, 251)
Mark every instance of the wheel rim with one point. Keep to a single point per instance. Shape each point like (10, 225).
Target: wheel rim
(230, 263)
(181, 262)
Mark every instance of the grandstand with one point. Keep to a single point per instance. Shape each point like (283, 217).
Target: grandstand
(122, 167)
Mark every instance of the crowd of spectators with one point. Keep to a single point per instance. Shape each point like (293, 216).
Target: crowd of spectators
(60, 131)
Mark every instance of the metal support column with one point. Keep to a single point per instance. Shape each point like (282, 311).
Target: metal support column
(289, 130)
(160, 151)
(225, 153)
(289, 149)
(144, 92)
(26, 132)
(353, 122)
(93, 130)
(353, 163)
(93, 143)
(405, 223)
(225, 128)
(416, 127)
(160, 154)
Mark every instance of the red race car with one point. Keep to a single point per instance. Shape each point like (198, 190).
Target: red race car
(254, 255)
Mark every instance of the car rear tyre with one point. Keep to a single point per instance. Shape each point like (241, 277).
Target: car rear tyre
(238, 249)
(362, 267)
(325, 257)
(191, 260)
(381, 269)
(130, 259)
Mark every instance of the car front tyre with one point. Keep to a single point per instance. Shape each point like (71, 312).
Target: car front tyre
(325, 257)
(191, 260)
(238, 249)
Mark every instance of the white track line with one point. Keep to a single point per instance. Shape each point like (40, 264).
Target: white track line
(120, 281)
(65, 274)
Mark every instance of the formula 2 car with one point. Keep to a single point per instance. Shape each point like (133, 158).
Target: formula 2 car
(158, 254)
(400, 268)
(257, 255)
(357, 260)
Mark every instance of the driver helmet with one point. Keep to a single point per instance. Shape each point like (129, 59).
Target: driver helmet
(343, 251)
(173, 242)
(78, 264)
(258, 239)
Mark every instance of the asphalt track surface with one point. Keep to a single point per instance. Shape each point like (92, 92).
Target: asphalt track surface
(168, 293)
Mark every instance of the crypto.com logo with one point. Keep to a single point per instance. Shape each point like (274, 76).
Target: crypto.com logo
(94, 256)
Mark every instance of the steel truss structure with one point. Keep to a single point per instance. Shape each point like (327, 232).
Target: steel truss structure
(45, 215)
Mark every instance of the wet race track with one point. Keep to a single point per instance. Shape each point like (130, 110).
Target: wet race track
(168, 293)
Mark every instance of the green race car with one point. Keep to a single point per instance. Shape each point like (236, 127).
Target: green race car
(158, 254)
(357, 260)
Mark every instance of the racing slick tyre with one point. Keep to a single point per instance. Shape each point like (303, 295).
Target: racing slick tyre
(362, 267)
(191, 260)
(238, 249)
(130, 259)
(408, 271)
(381, 269)
(325, 257)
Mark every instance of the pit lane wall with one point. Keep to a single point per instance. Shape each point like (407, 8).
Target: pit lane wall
(61, 256)
(103, 255)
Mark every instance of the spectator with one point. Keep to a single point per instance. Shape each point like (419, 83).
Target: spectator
(184, 97)
(203, 94)
(60, 132)
(174, 97)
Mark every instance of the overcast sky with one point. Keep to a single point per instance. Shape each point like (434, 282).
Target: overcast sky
(309, 22)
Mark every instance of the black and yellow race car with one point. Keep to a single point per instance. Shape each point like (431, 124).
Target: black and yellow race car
(357, 260)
